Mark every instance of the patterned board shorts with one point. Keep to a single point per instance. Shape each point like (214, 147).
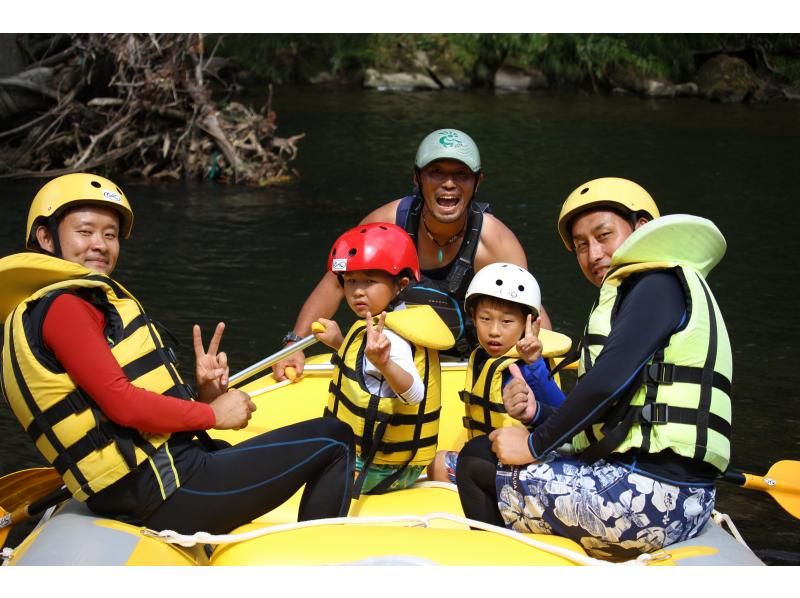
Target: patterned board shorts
(377, 473)
(613, 512)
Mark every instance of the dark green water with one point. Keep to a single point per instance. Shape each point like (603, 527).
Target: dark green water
(203, 253)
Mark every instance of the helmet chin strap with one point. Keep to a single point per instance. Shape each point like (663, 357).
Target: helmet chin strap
(52, 228)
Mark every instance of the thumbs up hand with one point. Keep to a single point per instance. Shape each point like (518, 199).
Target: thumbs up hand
(518, 398)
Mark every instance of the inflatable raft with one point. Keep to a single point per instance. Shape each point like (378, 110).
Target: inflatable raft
(422, 525)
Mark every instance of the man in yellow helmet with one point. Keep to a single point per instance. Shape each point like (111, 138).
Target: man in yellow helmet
(455, 236)
(87, 374)
(649, 420)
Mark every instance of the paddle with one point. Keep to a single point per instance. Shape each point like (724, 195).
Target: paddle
(26, 493)
(782, 483)
(268, 362)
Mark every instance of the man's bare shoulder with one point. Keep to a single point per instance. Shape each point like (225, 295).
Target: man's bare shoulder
(385, 213)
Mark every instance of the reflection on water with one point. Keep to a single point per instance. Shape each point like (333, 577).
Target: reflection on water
(203, 253)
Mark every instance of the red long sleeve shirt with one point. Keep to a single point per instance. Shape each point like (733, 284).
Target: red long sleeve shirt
(73, 331)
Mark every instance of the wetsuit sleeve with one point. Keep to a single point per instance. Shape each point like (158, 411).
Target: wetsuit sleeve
(73, 331)
(648, 315)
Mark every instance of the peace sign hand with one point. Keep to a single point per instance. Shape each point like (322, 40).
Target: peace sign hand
(211, 367)
(529, 346)
(378, 345)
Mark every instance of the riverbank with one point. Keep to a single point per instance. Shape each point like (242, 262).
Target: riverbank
(725, 68)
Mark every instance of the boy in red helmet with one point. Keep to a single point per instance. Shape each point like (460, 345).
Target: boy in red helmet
(386, 384)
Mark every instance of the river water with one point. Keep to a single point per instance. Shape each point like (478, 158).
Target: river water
(203, 252)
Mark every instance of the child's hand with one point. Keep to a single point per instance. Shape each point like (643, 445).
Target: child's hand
(529, 346)
(331, 336)
(378, 345)
(518, 397)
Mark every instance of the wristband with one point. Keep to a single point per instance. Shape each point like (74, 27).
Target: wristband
(291, 337)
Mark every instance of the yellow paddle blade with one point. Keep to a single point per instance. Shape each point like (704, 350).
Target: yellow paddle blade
(5, 526)
(23, 487)
(782, 483)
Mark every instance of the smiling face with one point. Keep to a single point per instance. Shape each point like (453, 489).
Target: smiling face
(447, 187)
(596, 236)
(88, 235)
(370, 290)
(499, 325)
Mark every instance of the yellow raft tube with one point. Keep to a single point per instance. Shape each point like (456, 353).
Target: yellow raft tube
(422, 525)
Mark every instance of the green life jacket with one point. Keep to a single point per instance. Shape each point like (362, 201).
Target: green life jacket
(682, 399)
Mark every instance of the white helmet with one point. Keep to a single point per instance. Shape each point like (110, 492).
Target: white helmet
(508, 282)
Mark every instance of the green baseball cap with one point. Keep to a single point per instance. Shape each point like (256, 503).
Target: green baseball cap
(448, 143)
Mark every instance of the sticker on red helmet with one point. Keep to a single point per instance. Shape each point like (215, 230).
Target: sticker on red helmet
(339, 265)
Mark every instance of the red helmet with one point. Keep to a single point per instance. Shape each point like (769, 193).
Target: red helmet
(374, 246)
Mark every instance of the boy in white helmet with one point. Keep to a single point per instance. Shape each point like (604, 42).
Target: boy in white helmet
(504, 301)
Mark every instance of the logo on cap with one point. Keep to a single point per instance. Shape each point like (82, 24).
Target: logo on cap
(110, 195)
(450, 139)
(339, 265)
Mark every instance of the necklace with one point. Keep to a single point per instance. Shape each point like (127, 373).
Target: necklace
(440, 254)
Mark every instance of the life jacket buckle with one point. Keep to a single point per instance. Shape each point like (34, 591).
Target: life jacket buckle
(173, 358)
(656, 414)
(662, 373)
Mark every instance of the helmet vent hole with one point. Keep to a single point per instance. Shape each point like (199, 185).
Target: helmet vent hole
(363, 230)
(95, 184)
(584, 190)
(521, 288)
(352, 252)
(498, 282)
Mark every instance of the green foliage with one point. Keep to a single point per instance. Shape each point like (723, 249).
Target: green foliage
(567, 59)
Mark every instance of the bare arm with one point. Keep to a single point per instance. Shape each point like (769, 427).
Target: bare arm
(324, 300)
(499, 244)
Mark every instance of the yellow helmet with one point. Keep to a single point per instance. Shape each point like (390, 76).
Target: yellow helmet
(613, 192)
(77, 188)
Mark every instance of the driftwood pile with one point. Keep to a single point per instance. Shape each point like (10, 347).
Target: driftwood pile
(138, 105)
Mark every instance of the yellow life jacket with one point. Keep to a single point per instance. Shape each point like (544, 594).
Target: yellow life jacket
(483, 393)
(388, 431)
(89, 451)
(682, 401)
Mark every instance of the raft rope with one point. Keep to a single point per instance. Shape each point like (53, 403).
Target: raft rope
(189, 540)
(722, 518)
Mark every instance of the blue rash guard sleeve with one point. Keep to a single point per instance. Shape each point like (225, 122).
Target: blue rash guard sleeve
(653, 307)
(548, 395)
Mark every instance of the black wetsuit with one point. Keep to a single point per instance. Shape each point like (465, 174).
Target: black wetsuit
(229, 487)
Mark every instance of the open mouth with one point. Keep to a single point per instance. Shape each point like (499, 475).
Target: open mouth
(447, 202)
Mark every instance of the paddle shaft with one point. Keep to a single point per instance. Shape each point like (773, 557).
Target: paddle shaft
(268, 362)
(28, 510)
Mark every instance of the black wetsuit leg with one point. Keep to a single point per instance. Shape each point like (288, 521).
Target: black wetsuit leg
(476, 471)
(235, 485)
